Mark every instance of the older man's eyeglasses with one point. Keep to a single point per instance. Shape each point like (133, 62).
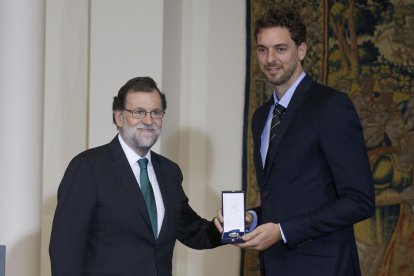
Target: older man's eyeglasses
(142, 113)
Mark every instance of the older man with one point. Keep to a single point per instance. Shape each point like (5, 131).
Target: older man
(121, 206)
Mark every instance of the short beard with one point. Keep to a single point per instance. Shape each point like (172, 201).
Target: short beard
(286, 76)
(137, 142)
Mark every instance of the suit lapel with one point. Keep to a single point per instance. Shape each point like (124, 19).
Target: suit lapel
(122, 171)
(262, 115)
(294, 106)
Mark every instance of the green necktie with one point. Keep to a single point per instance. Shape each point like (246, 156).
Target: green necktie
(148, 194)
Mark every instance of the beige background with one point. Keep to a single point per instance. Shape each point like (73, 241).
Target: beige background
(62, 61)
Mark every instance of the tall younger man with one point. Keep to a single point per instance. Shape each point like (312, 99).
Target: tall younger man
(311, 163)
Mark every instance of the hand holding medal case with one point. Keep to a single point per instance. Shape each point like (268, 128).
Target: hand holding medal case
(233, 213)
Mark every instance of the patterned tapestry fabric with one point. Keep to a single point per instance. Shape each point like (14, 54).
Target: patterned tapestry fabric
(365, 49)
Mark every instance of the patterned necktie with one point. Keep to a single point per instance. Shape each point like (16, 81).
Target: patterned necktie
(148, 194)
(278, 112)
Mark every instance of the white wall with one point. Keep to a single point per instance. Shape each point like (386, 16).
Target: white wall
(21, 118)
(125, 42)
(205, 58)
(195, 50)
(66, 101)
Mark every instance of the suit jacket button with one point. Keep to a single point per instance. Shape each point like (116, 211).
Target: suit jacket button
(265, 193)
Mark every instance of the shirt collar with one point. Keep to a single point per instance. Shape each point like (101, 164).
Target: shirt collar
(285, 100)
(131, 155)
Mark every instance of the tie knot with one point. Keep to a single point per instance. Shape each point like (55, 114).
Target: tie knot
(279, 110)
(143, 163)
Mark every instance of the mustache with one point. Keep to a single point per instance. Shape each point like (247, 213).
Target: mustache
(144, 126)
(273, 65)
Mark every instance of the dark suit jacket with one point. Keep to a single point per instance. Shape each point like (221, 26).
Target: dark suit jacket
(317, 185)
(101, 225)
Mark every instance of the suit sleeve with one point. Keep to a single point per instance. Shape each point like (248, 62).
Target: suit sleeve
(76, 201)
(194, 231)
(342, 145)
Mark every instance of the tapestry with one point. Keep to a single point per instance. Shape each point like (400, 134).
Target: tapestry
(364, 48)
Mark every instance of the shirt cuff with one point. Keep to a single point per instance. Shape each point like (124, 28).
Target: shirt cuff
(281, 232)
(253, 225)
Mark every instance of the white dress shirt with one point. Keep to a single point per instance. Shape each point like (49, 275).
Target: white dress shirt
(284, 101)
(133, 157)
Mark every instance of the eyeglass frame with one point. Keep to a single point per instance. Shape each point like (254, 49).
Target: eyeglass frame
(146, 112)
